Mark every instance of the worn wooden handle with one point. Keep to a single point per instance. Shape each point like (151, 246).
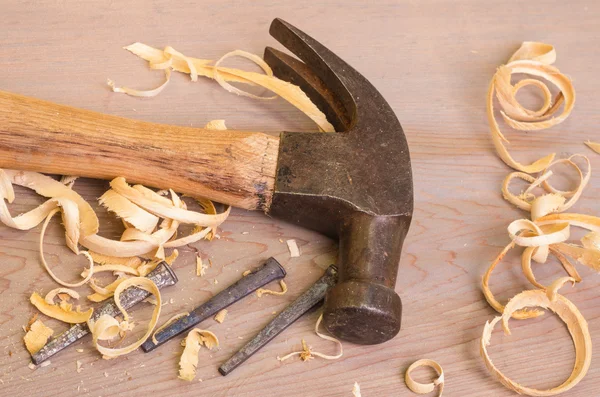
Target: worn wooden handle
(231, 167)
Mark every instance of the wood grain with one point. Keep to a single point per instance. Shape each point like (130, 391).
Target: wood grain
(232, 167)
(432, 60)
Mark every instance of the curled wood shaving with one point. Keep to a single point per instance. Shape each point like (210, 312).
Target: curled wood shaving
(568, 312)
(220, 316)
(81, 223)
(534, 59)
(290, 92)
(293, 248)
(104, 328)
(254, 58)
(195, 339)
(128, 211)
(424, 388)
(555, 200)
(262, 291)
(308, 354)
(141, 93)
(37, 336)
(167, 323)
(71, 222)
(54, 311)
(103, 293)
(52, 294)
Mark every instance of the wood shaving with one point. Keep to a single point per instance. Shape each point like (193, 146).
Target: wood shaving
(262, 291)
(105, 328)
(37, 336)
(52, 294)
(79, 366)
(534, 59)
(81, 223)
(195, 339)
(57, 312)
(290, 92)
(247, 272)
(308, 354)
(103, 293)
(254, 58)
(167, 323)
(424, 388)
(567, 311)
(220, 316)
(356, 390)
(100, 259)
(594, 146)
(110, 268)
(141, 93)
(293, 247)
(200, 267)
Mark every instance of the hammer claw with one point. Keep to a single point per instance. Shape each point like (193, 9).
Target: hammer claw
(297, 72)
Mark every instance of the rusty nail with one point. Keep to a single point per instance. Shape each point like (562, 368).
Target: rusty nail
(294, 311)
(268, 272)
(162, 276)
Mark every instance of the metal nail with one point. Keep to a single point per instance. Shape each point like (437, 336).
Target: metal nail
(162, 276)
(304, 303)
(268, 272)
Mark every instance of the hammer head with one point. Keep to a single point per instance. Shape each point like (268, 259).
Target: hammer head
(355, 185)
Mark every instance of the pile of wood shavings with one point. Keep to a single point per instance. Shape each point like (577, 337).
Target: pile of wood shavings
(548, 229)
(151, 220)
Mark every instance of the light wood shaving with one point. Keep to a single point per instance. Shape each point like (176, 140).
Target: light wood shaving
(195, 339)
(220, 316)
(167, 323)
(308, 354)
(200, 267)
(291, 93)
(594, 146)
(293, 248)
(37, 336)
(49, 298)
(568, 312)
(534, 59)
(59, 313)
(105, 328)
(424, 388)
(356, 390)
(262, 291)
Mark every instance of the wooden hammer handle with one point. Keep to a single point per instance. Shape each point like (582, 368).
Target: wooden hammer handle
(231, 167)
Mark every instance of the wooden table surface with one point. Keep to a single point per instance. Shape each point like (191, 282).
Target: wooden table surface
(432, 60)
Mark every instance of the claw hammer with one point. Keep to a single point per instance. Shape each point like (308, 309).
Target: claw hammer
(355, 185)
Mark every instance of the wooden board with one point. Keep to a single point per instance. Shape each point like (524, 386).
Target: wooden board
(432, 60)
